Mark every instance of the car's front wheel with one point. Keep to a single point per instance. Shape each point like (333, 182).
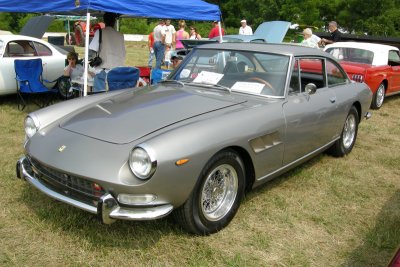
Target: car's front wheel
(347, 139)
(216, 197)
(379, 96)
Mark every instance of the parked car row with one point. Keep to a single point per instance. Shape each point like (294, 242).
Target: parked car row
(230, 118)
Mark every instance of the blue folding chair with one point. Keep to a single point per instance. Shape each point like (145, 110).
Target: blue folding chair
(116, 79)
(157, 75)
(30, 83)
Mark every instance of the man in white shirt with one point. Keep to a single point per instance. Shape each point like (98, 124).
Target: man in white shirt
(112, 47)
(159, 42)
(170, 40)
(245, 29)
(308, 40)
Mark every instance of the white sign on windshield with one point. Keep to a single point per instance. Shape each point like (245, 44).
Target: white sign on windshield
(208, 77)
(249, 87)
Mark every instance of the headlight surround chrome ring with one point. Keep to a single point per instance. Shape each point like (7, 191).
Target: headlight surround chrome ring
(142, 161)
(31, 126)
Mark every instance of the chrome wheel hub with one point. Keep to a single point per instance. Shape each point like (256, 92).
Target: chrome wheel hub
(349, 131)
(219, 192)
(380, 95)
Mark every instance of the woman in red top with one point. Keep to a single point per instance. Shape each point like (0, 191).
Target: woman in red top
(215, 30)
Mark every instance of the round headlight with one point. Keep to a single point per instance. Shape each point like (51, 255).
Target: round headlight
(141, 163)
(30, 127)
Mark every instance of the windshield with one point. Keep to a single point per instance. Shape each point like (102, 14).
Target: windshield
(237, 71)
(352, 54)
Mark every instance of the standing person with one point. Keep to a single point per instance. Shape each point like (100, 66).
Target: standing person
(336, 35)
(159, 42)
(308, 40)
(181, 34)
(194, 35)
(150, 44)
(215, 30)
(112, 47)
(245, 29)
(170, 38)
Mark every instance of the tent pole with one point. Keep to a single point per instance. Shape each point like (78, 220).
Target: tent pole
(86, 67)
(220, 31)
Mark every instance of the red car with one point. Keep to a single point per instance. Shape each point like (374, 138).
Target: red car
(375, 64)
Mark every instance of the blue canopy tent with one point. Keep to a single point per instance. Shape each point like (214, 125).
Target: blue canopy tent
(193, 10)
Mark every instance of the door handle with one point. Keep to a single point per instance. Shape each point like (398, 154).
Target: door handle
(332, 99)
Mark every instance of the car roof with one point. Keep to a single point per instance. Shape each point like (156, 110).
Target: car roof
(9, 37)
(366, 46)
(284, 49)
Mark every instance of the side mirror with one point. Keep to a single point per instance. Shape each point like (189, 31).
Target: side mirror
(311, 88)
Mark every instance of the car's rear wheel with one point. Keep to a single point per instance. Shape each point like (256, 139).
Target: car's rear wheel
(216, 197)
(345, 143)
(379, 96)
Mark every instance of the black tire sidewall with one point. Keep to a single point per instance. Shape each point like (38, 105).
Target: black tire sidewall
(375, 101)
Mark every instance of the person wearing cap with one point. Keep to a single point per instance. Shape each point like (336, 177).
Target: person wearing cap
(176, 60)
(112, 47)
(215, 30)
(308, 40)
(336, 35)
(159, 42)
(245, 29)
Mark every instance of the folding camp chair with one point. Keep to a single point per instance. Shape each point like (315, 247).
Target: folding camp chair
(30, 83)
(115, 79)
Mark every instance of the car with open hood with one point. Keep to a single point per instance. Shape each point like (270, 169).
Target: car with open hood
(377, 65)
(29, 45)
(229, 118)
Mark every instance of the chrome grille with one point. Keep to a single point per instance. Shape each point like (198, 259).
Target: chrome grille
(66, 184)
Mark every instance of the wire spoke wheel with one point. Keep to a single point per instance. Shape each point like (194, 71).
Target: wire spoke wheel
(219, 192)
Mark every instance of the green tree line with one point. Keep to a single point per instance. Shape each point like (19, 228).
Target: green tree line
(370, 17)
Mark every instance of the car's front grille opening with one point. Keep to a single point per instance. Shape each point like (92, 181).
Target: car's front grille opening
(69, 185)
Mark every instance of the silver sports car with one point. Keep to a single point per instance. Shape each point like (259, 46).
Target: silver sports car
(231, 117)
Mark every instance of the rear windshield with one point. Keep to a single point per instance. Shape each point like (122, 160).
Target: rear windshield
(352, 54)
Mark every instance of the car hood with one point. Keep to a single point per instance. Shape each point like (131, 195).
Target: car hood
(126, 117)
(37, 26)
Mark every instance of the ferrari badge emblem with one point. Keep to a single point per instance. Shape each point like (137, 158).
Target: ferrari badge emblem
(61, 149)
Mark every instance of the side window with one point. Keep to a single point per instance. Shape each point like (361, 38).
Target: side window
(20, 49)
(394, 58)
(311, 71)
(294, 86)
(334, 74)
(42, 50)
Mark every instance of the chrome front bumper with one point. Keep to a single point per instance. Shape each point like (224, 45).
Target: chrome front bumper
(108, 209)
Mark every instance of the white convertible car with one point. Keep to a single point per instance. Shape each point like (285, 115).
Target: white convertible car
(24, 47)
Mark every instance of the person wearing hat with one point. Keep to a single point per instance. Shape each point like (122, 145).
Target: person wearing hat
(215, 30)
(112, 48)
(245, 29)
(176, 60)
(308, 40)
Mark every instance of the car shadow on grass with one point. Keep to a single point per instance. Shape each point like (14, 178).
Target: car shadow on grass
(380, 242)
(61, 217)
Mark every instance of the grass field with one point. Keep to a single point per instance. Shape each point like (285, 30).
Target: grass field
(328, 212)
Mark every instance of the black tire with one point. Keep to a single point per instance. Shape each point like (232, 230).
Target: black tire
(64, 86)
(378, 97)
(345, 143)
(216, 197)
(79, 36)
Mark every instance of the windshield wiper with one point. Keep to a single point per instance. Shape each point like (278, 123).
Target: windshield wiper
(209, 85)
(172, 81)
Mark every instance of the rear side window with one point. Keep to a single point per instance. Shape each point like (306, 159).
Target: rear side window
(42, 50)
(305, 71)
(335, 75)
